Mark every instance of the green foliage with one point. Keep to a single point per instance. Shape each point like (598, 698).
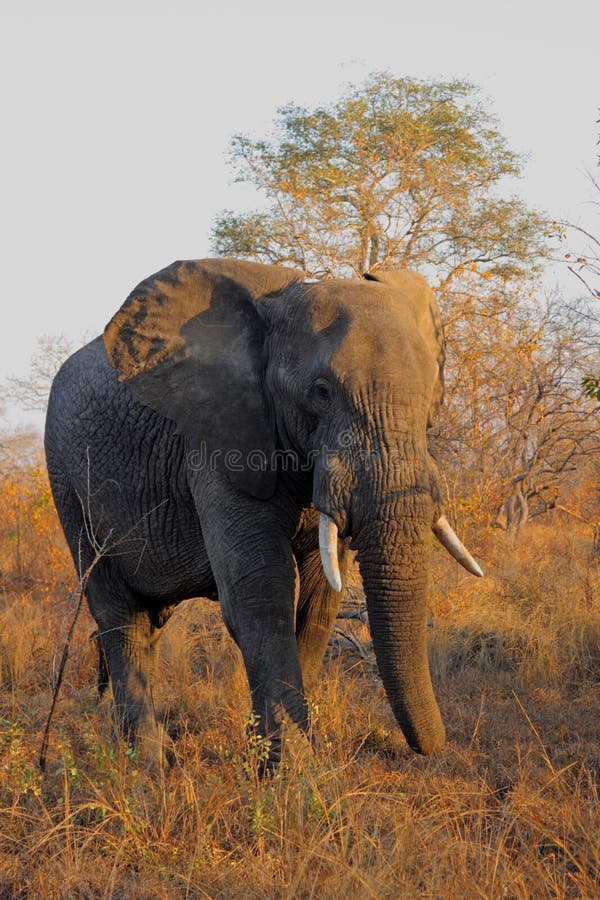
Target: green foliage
(20, 774)
(591, 387)
(397, 172)
(258, 750)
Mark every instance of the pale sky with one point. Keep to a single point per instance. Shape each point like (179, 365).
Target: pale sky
(115, 127)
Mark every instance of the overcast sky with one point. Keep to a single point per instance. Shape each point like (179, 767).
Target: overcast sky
(115, 128)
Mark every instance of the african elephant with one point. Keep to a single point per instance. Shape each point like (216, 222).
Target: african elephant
(232, 433)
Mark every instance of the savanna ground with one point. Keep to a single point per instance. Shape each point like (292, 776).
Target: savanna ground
(508, 809)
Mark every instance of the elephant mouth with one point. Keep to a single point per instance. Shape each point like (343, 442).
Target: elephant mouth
(328, 547)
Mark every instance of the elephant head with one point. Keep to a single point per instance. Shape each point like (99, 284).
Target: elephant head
(346, 375)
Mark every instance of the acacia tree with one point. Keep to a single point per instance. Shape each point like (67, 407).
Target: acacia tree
(398, 172)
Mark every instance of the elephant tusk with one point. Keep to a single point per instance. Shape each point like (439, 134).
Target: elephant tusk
(328, 538)
(448, 539)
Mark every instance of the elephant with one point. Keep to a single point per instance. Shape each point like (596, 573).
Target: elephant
(235, 433)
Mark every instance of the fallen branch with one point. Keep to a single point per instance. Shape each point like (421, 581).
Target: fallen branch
(78, 595)
(357, 613)
(350, 641)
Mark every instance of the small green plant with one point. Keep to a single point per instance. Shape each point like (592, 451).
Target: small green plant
(20, 773)
(68, 769)
(258, 749)
(591, 387)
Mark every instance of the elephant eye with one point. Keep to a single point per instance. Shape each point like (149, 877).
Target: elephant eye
(321, 394)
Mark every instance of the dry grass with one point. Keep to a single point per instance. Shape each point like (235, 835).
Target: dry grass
(509, 809)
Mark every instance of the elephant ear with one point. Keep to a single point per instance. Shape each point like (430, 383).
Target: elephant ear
(416, 291)
(189, 343)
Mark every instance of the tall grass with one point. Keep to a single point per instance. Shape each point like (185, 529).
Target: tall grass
(508, 809)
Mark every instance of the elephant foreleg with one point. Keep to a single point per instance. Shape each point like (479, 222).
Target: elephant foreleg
(262, 624)
(257, 579)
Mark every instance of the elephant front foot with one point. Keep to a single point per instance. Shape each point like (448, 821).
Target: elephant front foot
(149, 743)
(156, 751)
(286, 743)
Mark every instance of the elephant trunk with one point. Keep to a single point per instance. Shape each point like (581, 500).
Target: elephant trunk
(394, 504)
(383, 491)
(395, 571)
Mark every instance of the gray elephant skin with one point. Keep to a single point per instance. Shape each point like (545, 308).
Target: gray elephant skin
(233, 432)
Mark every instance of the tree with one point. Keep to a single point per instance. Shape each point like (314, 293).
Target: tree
(516, 424)
(398, 172)
(19, 449)
(31, 391)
